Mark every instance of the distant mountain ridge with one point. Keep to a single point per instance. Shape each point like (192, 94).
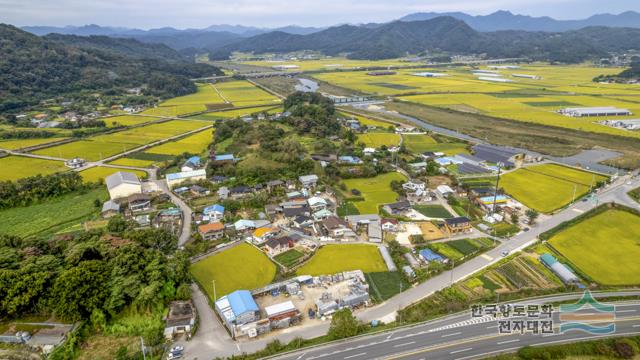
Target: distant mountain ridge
(447, 34)
(505, 20)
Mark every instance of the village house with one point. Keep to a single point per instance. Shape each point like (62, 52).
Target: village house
(139, 202)
(180, 177)
(308, 181)
(223, 159)
(397, 208)
(110, 208)
(239, 192)
(214, 212)
(260, 235)
(197, 190)
(192, 163)
(211, 231)
(274, 184)
(223, 193)
(458, 225)
(322, 214)
(180, 320)
(389, 225)
(317, 203)
(302, 221)
(336, 228)
(279, 245)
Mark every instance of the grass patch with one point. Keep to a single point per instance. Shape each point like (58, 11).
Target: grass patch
(289, 257)
(384, 285)
(433, 211)
(376, 191)
(332, 259)
(376, 140)
(606, 247)
(52, 215)
(241, 267)
(347, 208)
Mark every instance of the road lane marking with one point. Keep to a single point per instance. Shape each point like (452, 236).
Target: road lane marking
(453, 334)
(356, 355)
(487, 257)
(405, 344)
(625, 311)
(578, 211)
(507, 341)
(301, 355)
(635, 325)
(459, 351)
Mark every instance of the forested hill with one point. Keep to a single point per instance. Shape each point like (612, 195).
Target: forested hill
(400, 38)
(34, 68)
(122, 46)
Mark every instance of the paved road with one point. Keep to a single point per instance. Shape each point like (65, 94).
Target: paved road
(447, 337)
(187, 213)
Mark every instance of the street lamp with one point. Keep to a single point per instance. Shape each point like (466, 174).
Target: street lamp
(495, 192)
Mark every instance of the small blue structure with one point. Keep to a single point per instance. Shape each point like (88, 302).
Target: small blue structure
(195, 160)
(216, 212)
(224, 157)
(428, 255)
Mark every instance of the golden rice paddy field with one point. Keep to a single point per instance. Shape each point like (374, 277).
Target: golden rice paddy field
(523, 99)
(23, 143)
(193, 144)
(103, 146)
(234, 113)
(243, 93)
(18, 167)
(181, 105)
(128, 120)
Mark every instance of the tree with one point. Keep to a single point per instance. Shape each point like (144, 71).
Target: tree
(532, 215)
(343, 325)
(514, 218)
(80, 290)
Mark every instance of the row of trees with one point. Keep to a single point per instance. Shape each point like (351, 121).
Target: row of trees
(37, 188)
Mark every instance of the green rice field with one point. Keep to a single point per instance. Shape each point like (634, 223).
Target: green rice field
(18, 167)
(605, 247)
(332, 259)
(376, 191)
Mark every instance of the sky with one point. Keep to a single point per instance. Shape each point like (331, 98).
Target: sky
(145, 14)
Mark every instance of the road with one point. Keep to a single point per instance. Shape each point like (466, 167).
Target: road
(198, 347)
(460, 336)
(187, 213)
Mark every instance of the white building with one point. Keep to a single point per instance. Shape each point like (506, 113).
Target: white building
(178, 178)
(444, 190)
(594, 111)
(122, 184)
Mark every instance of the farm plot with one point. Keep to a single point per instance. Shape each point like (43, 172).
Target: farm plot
(242, 267)
(376, 191)
(18, 167)
(332, 259)
(376, 140)
(243, 93)
(605, 247)
(548, 187)
(99, 173)
(205, 98)
(23, 143)
(193, 144)
(103, 146)
(460, 249)
(433, 211)
(235, 113)
(421, 143)
(128, 120)
(51, 215)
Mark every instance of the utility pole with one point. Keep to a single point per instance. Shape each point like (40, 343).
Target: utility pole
(453, 265)
(495, 192)
(574, 193)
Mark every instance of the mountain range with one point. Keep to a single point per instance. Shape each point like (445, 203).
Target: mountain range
(505, 20)
(443, 34)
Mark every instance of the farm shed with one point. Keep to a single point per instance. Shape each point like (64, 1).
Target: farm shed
(429, 255)
(391, 266)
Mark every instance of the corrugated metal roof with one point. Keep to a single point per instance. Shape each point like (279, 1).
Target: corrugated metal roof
(121, 177)
(242, 302)
(186, 174)
(281, 308)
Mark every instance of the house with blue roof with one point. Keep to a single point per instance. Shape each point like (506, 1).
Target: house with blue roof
(237, 308)
(214, 212)
(192, 163)
(429, 255)
(351, 160)
(174, 179)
